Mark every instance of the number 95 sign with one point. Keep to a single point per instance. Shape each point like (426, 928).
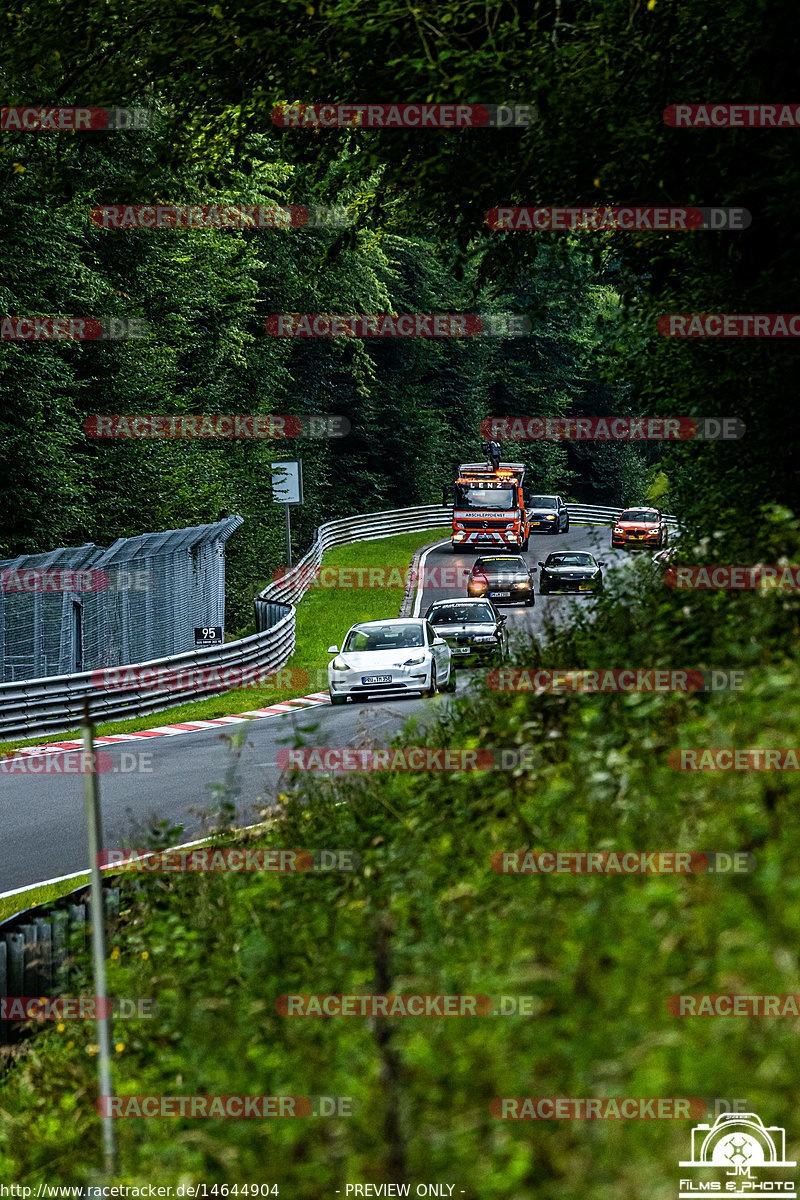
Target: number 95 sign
(208, 635)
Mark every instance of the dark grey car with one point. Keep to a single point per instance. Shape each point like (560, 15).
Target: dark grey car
(473, 629)
(548, 514)
(570, 571)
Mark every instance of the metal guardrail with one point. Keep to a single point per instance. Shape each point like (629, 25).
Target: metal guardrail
(594, 514)
(33, 707)
(56, 703)
(294, 583)
(39, 947)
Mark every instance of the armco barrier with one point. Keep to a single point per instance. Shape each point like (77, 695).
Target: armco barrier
(295, 583)
(56, 703)
(39, 946)
(33, 707)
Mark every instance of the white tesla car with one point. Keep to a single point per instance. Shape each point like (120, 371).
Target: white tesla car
(392, 657)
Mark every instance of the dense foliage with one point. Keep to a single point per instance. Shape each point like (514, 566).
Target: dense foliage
(601, 956)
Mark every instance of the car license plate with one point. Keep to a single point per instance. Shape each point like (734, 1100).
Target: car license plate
(494, 594)
(461, 650)
(376, 679)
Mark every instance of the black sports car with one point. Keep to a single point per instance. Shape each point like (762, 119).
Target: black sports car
(570, 571)
(506, 580)
(472, 628)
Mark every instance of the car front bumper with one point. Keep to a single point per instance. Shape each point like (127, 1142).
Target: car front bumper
(468, 653)
(351, 683)
(571, 585)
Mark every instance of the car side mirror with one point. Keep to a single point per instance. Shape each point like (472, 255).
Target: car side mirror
(439, 641)
(333, 649)
(445, 494)
(501, 618)
(541, 564)
(601, 563)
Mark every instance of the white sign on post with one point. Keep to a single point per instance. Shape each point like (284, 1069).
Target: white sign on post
(287, 482)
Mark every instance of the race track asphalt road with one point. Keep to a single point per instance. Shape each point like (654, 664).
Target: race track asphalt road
(42, 827)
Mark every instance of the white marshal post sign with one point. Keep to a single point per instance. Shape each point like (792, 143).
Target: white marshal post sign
(287, 489)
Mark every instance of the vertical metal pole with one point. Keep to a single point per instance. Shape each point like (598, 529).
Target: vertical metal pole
(91, 792)
(288, 537)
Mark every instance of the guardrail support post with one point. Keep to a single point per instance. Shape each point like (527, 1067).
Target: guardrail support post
(91, 792)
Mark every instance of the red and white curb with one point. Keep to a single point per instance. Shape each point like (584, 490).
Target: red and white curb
(299, 702)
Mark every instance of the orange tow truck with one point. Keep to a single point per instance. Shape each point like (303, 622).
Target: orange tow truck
(489, 507)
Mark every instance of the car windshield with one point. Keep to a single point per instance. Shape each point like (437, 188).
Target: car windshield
(455, 614)
(485, 497)
(363, 638)
(494, 567)
(570, 560)
(639, 514)
(543, 502)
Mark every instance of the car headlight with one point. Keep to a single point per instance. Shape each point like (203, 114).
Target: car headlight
(550, 517)
(340, 664)
(521, 585)
(458, 537)
(459, 525)
(486, 638)
(415, 661)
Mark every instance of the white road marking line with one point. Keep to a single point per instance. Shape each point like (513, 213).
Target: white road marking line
(421, 574)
